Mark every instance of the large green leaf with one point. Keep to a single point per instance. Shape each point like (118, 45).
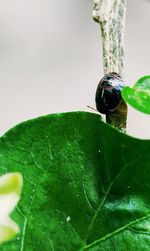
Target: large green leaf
(139, 96)
(86, 185)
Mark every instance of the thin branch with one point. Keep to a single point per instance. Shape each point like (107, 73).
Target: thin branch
(110, 14)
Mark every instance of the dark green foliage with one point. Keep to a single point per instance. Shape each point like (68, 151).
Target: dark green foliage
(86, 185)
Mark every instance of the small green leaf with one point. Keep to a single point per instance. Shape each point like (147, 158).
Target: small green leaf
(86, 185)
(139, 95)
(10, 190)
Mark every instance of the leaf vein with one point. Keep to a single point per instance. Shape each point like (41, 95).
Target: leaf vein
(106, 195)
(117, 231)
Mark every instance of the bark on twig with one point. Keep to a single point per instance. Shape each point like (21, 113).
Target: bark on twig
(110, 14)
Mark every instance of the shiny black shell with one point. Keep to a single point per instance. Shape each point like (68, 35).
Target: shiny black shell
(108, 93)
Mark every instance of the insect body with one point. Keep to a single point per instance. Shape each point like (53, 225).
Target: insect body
(108, 93)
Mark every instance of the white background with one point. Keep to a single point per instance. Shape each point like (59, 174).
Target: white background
(51, 58)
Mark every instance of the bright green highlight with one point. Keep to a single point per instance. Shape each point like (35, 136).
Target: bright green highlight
(10, 190)
(86, 185)
(11, 183)
(139, 96)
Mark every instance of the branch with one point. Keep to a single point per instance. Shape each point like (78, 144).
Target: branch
(110, 14)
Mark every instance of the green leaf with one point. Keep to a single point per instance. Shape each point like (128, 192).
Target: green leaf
(86, 185)
(139, 95)
(10, 190)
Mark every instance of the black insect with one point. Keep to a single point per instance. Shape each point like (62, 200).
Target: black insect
(108, 93)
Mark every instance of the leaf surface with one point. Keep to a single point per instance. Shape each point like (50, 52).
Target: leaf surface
(86, 185)
(139, 96)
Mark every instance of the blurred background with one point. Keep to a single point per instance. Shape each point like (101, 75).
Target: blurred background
(51, 58)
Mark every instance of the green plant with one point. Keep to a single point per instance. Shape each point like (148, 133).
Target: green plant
(86, 184)
(80, 193)
(139, 96)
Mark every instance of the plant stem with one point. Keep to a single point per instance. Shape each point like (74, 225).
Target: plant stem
(110, 14)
